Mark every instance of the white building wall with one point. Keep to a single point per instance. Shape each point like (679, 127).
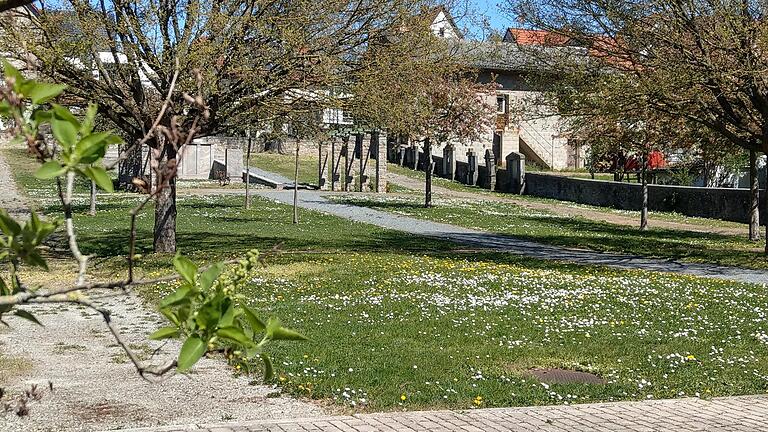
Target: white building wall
(540, 131)
(443, 27)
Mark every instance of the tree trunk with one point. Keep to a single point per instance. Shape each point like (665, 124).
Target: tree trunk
(428, 173)
(92, 210)
(165, 203)
(754, 195)
(129, 168)
(248, 173)
(644, 181)
(296, 186)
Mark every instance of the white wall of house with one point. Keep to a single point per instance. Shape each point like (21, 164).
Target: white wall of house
(539, 132)
(442, 26)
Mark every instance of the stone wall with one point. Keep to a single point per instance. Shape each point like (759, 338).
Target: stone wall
(716, 203)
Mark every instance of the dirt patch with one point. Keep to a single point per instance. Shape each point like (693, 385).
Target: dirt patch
(100, 411)
(564, 376)
(11, 367)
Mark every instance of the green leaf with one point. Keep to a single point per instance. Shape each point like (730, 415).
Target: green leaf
(186, 268)
(234, 334)
(10, 71)
(100, 177)
(92, 147)
(190, 353)
(65, 132)
(4, 290)
(208, 316)
(65, 114)
(228, 318)
(27, 316)
(8, 225)
(164, 333)
(41, 116)
(86, 127)
(50, 170)
(177, 297)
(269, 370)
(43, 92)
(172, 317)
(256, 324)
(208, 277)
(35, 259)
(276, 331)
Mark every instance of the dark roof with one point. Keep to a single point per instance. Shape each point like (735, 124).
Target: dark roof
(509, 57)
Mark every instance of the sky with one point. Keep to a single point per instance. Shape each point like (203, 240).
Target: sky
(489, 9)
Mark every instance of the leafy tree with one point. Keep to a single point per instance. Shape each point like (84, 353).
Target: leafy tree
(249, 58)
(421, 87)
(699, 60)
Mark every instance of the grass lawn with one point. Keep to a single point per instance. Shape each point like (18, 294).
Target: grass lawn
(437, 181)
(550, 228)
(401, 322)
(284, 164)
(665, 216)
(393, 331)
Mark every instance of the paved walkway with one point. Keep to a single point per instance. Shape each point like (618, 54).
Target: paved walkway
(747, 413)
(315, 201)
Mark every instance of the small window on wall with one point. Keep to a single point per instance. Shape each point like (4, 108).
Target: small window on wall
(501, 105)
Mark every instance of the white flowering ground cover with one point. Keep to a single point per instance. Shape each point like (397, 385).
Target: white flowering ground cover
(577, 232)
(401, 322)
(393, 331)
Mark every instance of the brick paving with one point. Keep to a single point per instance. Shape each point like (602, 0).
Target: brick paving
(739, 413)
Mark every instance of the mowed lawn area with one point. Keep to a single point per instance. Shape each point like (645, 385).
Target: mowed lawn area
(574, 232)
(285, 165)
(401, 322)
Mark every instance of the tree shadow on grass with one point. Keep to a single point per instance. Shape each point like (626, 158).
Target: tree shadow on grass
(581, 233)
(113, 244)
(378, 205)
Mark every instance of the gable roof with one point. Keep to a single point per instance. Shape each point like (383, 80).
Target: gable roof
(432, 15)
(511, 57)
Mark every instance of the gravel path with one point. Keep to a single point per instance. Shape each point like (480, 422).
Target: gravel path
(96, 388)
(315, 201)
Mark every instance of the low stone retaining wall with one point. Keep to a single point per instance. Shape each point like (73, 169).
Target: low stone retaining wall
(716, 203)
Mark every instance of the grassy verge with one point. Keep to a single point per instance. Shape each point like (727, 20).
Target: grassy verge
(400, 331)
(285, 165)
(401, 322)
(437, 181)
(664, 216)
(550, 228)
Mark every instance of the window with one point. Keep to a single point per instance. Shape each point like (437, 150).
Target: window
(501, 104)
(441, 32)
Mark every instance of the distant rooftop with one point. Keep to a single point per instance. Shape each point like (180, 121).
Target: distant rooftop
(511, 57)
(527, 37)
